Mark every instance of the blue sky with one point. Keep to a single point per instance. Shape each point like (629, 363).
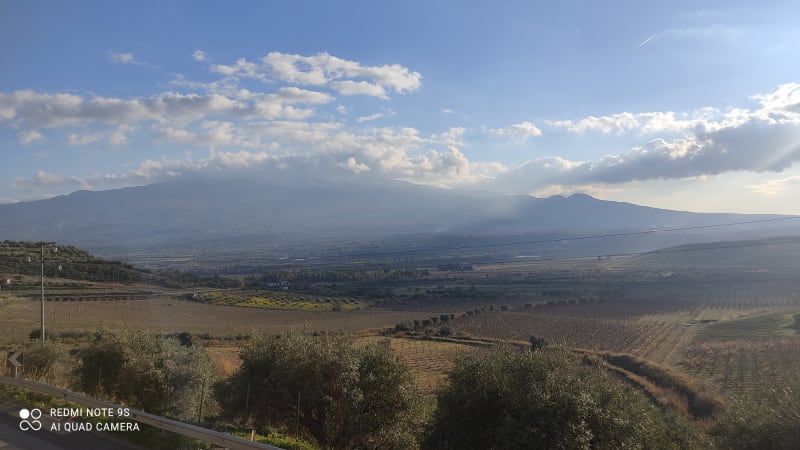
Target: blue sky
(678, 105)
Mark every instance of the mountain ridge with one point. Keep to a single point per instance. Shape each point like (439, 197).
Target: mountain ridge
(202, 210)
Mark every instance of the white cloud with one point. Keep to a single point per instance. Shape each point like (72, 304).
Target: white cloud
(30, 136)
(370, 117)
(765, 138)
(293, 95)
(33, 110)
(83, 139)
(122, 58)
(781, 106)
(199, 55)
(242, 68)
(354, 166)
(322, 69)
(522, 131)
(44, 179)
(645, 123)
(453, 136)
(706, 153)
(777, 186)
(350, 87)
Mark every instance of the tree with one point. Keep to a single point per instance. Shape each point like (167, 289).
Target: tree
(549, 398)
(349, 396)
(768, 419)
(151, 372)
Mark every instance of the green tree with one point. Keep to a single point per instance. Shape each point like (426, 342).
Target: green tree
(549, 398)
(150, 372)
(768, 419)
(44, 360)
(349, 396)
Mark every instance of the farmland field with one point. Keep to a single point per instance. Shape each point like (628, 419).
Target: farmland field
(169, 315)
(278, 300)
(733, 335)
(732, 328)
(429, 360)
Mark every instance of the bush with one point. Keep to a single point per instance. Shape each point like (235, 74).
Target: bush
(350, 396)
(147, 371)
(549, 398)
(42, 359)
(768, 419)
(537, 342)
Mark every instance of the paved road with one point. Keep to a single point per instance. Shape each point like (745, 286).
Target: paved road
(12, 438)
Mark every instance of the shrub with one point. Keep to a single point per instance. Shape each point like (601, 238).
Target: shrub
(768, 419)
(147, 371)
(547, 399)
(349, 396)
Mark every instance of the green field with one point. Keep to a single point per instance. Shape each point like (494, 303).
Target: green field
(285, 300)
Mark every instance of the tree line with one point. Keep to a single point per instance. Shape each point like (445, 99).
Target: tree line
(338, 275)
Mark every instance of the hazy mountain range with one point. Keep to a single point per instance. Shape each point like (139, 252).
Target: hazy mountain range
(240, 213)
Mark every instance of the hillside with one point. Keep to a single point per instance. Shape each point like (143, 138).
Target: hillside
(78, 264)
(758, 254)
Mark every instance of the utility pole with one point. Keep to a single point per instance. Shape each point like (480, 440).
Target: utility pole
(297, 430)
(55, 250)
(42, 261)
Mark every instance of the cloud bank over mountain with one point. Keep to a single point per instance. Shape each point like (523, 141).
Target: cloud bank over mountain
(293, 123)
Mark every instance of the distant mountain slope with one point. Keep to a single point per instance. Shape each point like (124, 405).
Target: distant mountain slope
(245, 211)
(771, 253)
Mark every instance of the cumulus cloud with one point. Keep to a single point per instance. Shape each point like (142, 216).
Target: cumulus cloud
(288, 130)
(36, 110)
(322, 69)
(644, 123)
(356, 167)
(521, 131)
(453, 136)
(765, 138)
(199, 55)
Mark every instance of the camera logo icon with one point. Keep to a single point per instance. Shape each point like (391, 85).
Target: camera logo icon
(29, 420)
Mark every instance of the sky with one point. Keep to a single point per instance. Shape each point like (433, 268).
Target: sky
(680, 105)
